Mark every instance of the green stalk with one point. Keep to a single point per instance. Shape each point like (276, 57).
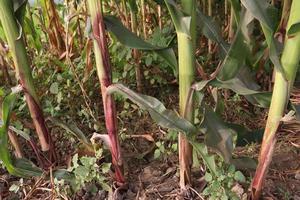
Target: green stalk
(23, 71)
(231, 24)
(136, 53)
(281, 93)
(210, 8)
(186, 53)
(105, 76)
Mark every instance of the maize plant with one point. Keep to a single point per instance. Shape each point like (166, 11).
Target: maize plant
(104, 72)
(215, 78)
(186, 33)
(14, 36)
(283, 86)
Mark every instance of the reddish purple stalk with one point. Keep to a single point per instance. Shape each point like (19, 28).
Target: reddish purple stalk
(105, 76)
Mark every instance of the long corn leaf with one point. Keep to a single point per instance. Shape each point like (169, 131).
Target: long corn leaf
(260, 9)
(236, 85)
(129, 39)
(18, 167)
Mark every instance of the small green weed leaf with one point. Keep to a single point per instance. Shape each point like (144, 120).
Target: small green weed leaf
(81, 171)
(105, 167)
(156, 153)
(296, 108)
(27, 168)
(75, 161)
(65, 175)
(54, 88)
(231, 169)
(208, 177)
(14, 188)
(239, 176)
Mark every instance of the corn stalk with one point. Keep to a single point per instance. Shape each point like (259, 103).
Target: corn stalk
(105, 76)
(281, 93)
(17, 48)
(210, 12)
(186, 31)
(135, 52)
(186, 52)
(54, 27)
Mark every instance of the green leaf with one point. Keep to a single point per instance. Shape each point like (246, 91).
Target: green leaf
(296, 108)
(132, 6)
(239, 176)
(18, 167)
(209, 160)
(14, 188)
(27, 168)
(212, 31)
(239, 87)
(131, 40)
(54, 88)
(217, 135)
(235, 57)
(181, 22)
(167, 119)
(74, 130)
(156, 153)
(19, 9)
(7, 106)
(105, 167)
(295, 28)
(208, 177)
(236, 10)
(162, 116)
(64, 174)
(244, 136)
(21, 133)
(261, 10)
